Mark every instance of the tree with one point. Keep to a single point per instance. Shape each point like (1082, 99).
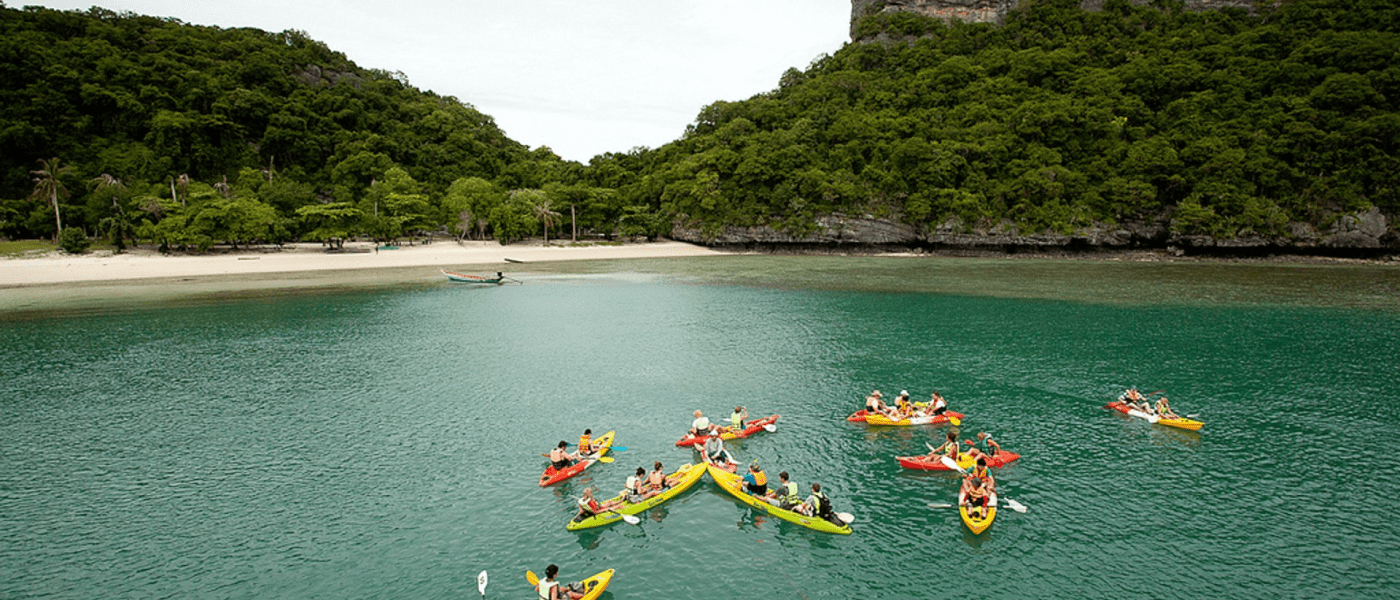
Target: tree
(540, 206)
(49, 188)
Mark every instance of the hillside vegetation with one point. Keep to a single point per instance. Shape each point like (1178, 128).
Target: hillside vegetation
(1218, 125)
(1211, 123)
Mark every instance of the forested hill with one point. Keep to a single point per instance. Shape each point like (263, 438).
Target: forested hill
(1132, 125)
(239, 122)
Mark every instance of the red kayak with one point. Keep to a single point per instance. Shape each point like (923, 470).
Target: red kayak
(601, 445)
(750, 428)
(925, 463)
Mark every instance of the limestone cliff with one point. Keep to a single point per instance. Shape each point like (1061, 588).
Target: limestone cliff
(994, 11)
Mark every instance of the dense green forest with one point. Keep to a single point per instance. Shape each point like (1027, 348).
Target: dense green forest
(1220, 123)
(1217, 123)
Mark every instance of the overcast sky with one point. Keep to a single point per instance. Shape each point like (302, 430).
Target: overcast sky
(582, 77)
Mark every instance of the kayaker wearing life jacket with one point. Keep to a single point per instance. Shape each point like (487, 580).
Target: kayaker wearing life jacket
(755, 481)
(872, 402)
(986, 440)
(786, 494)
(938, 405)
(980, 471)
(585, 442)
(902, 404)
(817, 504)
(1164, 408)
(949, 448)
(976, 496)
(632, 490)
(736, 420)
(549, 589)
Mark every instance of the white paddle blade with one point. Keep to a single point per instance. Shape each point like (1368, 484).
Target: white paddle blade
(930, 447)
(952, 464)
(770, 428)
(846, 518)
(932, 505)
(1014, 505)
(631, 519)
(481, 583)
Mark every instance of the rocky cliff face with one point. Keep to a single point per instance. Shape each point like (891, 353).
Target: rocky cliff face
(994, 11)
(1360, 234)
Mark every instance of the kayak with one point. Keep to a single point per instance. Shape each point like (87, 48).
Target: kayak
(965, 461)
(734, 484)
(552, 476)
(688, 475)
(595, 585)
(879, 419)
(750, 428)
(978, 525)
(1187, 424)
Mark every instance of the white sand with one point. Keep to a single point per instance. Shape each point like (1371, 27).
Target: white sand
(146, 264)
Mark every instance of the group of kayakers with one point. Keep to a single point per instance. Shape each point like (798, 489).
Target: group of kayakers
(1135, 400)
(638, 488)
(978, 482)
(703, 427)
(903, 408)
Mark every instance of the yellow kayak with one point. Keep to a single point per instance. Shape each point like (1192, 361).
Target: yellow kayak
(977, 525)
(685, 478)
(734, 484)
(595, 585)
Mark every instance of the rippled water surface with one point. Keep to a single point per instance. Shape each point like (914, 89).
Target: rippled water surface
(386, 444)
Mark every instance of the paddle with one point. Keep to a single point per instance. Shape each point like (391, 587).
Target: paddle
(1011, 504)
(955, 421)
(530, 577)
(613, 448)
(770, 428)
(481, 583)
(846, 518)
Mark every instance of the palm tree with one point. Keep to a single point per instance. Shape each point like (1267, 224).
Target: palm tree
(545, 215)
(118, 226)
(48, 187)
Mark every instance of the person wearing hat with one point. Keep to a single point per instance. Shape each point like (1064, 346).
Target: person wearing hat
(902, 404)
(872, 403)
(1164, 408)
(715, 453)
(755, 481)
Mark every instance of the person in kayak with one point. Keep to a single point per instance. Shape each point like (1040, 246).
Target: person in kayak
(755, 481)
(715, 453)
(985, 440)
(585, 442)
(701, 425)
(979, 471)
(937, 405)
(549, 589)
(817, 504)
(560, 457)
(902, 405)
(633, 490)
(589, 506)
(872, 403)
(1164, 408)
(786, 494)
(657, 481)
(736, 420)
(977, 494)
(948, 449)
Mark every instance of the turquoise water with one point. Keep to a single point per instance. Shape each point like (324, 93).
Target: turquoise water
(385, 444)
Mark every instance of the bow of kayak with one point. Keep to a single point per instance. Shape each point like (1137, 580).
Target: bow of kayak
(734, 485)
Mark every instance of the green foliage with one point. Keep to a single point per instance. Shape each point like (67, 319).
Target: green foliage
(1216, 122)
(74, 241)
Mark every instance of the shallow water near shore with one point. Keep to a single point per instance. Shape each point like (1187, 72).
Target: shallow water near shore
(385, 442)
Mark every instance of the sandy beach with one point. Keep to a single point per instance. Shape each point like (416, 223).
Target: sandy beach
(59, 282)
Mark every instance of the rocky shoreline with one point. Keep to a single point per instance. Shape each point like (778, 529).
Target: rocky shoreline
(1364, 237)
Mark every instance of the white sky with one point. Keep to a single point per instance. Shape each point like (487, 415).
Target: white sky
(582, 77)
